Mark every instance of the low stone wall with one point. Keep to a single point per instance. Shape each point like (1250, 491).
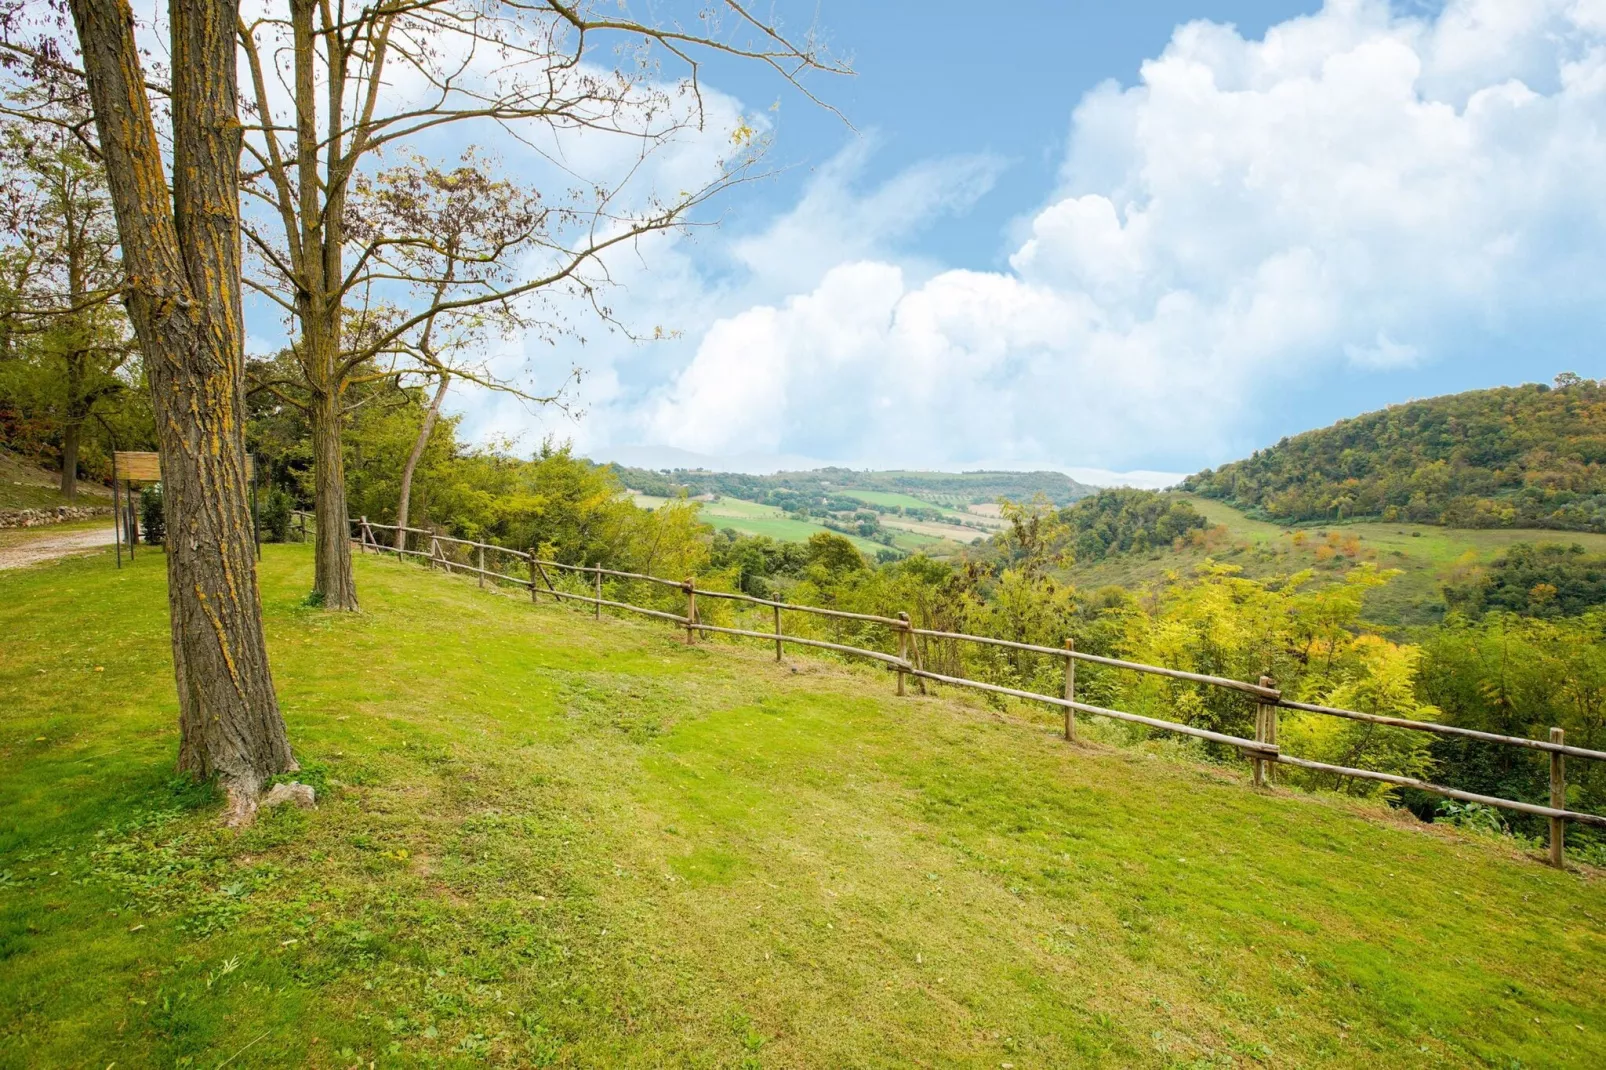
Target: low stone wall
(61, 514)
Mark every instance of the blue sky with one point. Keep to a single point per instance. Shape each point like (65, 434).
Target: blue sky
(934, 79)
(1115, 238)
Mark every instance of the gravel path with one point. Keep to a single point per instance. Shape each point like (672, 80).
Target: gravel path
(49, 546)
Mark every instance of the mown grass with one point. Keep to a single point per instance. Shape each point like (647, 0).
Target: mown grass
(546, 840)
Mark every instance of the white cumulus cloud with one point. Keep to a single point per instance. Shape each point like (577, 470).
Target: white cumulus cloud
(1357, 188)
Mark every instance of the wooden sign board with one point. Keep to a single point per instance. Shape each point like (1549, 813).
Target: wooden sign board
(140, 467)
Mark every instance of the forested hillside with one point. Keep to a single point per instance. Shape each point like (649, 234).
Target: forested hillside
(1122, 519)
(1521, 457)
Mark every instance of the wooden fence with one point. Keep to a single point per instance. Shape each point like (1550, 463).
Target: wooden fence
(1263, 752)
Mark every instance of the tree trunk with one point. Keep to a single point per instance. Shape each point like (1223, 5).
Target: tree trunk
(181, 251)
(332, 578)
(318, 308)
(405, 501)
(70, 436)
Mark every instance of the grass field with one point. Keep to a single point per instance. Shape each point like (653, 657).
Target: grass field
(951, 532)
(545, 840)
(751, 518)
(888, 498)
(1427, 556)
(755, 519)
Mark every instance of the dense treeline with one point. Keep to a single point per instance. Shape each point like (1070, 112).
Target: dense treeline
(1528, 456)
(1123, 520)
(71, 380)
(1547, 580)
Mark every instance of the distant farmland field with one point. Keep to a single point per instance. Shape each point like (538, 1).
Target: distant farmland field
(890, 499)
(933, 529)
(887, 497)
(752, 518)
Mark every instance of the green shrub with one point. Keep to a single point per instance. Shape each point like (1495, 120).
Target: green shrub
(152, 515)
(276, 515)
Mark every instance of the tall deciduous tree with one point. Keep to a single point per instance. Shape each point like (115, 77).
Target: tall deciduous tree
(181, 256)
(61, 323)
(333, 87)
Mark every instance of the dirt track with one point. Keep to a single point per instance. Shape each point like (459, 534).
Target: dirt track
(45, 545)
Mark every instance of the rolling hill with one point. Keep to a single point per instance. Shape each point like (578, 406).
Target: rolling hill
(1429, 558)
(935, 513)
(941, 489)
(1528, 456)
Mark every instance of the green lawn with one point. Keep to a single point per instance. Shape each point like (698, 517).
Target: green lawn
(546, 840)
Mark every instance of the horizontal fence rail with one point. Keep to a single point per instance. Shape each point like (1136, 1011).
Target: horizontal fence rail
(1445, 730)
(1263, 750)
(1270, 693)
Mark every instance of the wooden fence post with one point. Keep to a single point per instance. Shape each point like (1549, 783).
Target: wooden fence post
(599, 591)
(482, 565)
(691, 608)
(1265, 732)
(777, 608)
(1558, 800)
(1070, 690)
(117, 520)
(903, 646)
(914, 651)
(532, 574)
(256, 513)
(133, 521)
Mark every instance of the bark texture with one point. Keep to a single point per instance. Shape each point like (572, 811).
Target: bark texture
(332, 576)
(405, 501)
(319, 302)
(182, 256)
(70, 436)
